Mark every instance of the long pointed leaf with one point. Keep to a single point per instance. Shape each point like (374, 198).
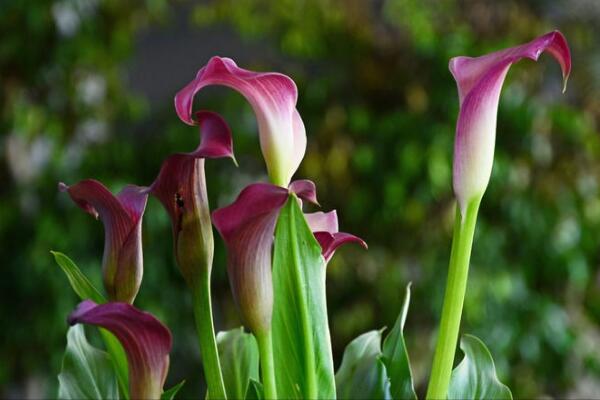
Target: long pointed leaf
(169, 394)
(395, 357)
(301, 340)
(79, 282)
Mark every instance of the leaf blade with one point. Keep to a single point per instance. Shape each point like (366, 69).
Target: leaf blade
(301, 339)
(238, 353)
(362, 374)
(169, 394)
(79, 282)
(395, 357)
(475, 376)
(87, 372)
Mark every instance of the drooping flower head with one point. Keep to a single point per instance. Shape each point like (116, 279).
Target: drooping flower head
(146, 341)
(247, 227)
(273, 98)
(122, 263)
(181, 188)
(479, 82)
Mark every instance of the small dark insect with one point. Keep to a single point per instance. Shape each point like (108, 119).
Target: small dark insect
(178, 200)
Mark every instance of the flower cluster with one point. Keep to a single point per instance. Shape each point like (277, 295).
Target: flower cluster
(247, 226)
(277, 255)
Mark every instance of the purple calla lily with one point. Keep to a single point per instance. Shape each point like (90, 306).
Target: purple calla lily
(147, 343)
(247, 227)
(273, 98)
(479, 82)
(122, 263)
(181, 188)
(326, 231)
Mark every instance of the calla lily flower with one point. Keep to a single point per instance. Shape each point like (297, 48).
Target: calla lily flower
(122, 263)
(273, 98)
(181, 188)
(326, 231)
(479, 82)
(146, 341)
(247, 227)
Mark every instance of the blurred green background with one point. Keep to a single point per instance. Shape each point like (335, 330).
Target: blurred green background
(86, 90)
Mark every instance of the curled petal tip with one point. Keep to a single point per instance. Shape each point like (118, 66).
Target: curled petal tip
(331, 241)
(305, 189)
(216, 140)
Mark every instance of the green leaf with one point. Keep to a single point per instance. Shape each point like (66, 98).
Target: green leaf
(301, 340)
(475, 376)
(119, 358)
(170, 393)
(87, 372)
(79, 282)
(363, 374)
(86, 290)
(238, 353)
(255, 391)
(395, 357)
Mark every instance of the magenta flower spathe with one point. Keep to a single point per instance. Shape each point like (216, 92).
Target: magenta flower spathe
(147, 343)
(181, 188)
(122, 263)
(479, 82)
(247, 227)
(273, 98)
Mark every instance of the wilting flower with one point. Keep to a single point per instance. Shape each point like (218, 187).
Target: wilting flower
(147, 342)
(247, 227)
(273, 98)
(479, 82)
(326, 231)
(122, 263)
(181, 188)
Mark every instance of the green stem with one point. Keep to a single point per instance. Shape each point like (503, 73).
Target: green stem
(267, 365)
(206, 336)
(464, 228)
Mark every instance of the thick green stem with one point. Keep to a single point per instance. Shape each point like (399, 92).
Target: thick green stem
(208, 344)
(464, 228)
(267, 365)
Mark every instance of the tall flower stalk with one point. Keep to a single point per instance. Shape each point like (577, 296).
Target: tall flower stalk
(181, 188)
(479, 82)
(282, 137)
